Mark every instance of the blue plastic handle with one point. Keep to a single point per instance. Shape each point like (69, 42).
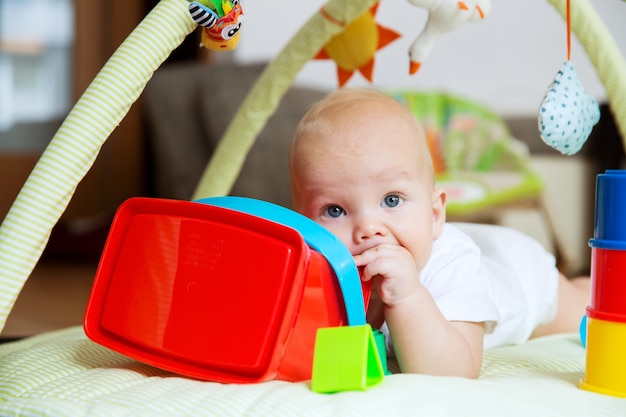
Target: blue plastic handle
(317, 237)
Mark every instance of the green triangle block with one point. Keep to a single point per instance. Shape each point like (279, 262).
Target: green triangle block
(381, 346)
(345, 359)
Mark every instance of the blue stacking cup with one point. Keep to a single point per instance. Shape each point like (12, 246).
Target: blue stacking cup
(610, 218)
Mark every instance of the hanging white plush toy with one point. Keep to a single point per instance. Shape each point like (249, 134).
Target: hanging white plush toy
(443, 16)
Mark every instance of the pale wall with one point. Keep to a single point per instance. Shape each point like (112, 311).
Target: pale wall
(507, 60)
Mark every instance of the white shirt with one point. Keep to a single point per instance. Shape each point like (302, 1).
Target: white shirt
(491, 274)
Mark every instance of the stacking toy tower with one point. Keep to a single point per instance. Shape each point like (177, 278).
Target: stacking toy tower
(606, 315)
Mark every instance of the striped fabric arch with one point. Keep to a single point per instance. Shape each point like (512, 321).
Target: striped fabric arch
(72, 151)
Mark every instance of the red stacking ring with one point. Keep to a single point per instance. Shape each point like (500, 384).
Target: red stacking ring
(608, 284)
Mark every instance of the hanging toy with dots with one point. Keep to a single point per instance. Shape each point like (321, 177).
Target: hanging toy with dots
(568, 113)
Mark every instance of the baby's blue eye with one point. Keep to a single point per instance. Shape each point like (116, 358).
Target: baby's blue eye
(334, 211)
(392, 200)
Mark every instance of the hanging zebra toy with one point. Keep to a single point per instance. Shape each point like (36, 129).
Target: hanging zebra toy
(220, 20)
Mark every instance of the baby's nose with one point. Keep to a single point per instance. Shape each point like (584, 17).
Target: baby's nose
(367, 227)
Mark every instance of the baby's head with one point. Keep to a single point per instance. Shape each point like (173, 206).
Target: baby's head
(360, 166)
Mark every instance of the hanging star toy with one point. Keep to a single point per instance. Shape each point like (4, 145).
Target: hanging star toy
(568, 112)
(354, 49)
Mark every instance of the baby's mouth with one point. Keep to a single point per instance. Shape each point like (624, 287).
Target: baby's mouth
(367, 246)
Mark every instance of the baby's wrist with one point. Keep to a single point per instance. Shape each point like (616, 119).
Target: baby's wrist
(408, 299)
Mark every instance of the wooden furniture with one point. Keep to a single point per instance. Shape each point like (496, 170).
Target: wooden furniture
(118, 173)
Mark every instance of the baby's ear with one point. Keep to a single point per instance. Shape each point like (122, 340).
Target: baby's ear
(439, 211)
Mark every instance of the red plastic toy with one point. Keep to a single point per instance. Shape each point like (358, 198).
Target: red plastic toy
(211, 293)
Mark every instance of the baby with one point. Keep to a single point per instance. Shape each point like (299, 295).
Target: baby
(360, 166)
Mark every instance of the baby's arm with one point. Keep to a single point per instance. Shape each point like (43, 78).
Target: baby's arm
(426, 343)
(424, 340)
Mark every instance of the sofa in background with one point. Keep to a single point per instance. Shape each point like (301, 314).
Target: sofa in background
(189, 106)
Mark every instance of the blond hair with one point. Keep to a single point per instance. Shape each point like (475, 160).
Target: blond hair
(327, 119)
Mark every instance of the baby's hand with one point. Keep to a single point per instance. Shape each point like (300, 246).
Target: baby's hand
(393, 270)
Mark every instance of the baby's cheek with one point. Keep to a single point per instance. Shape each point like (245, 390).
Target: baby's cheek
(338, 232)
(343, 236)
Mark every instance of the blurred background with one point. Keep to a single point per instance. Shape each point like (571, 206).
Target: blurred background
(50, 50)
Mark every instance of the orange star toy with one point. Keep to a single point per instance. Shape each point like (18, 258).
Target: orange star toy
(355, 48)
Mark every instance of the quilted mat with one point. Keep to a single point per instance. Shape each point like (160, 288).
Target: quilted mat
(63, 373)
